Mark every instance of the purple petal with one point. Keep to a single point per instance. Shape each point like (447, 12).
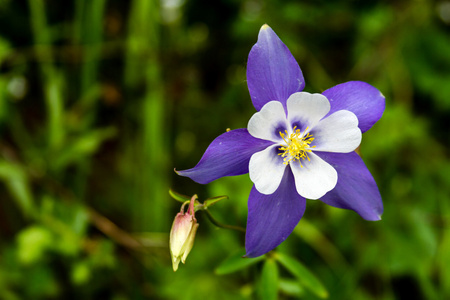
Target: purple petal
(365, 101)
(271, 218)
(272, 72)
(356, 189)
(228, 155)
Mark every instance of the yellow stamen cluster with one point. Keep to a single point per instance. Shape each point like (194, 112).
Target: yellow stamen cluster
(297, 145)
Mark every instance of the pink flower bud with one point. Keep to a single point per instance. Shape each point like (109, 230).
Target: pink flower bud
(182, 234)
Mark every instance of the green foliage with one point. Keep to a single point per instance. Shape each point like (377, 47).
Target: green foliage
(236, 262)
(101, 100)
(303, 275)
(16, 179)
(33, 242)
(268, 285)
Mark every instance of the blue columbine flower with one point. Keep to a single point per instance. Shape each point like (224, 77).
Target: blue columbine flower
(297, 146)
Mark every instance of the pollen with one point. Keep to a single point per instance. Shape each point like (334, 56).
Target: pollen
(297, 145)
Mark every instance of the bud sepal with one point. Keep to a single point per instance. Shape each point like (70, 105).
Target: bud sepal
(182, 234)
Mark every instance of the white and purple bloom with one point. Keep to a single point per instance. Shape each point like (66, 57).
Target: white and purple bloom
(297, 146)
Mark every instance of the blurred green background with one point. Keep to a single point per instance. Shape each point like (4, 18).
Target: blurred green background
(100, 100)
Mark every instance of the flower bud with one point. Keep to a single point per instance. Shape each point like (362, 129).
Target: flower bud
(182, 234)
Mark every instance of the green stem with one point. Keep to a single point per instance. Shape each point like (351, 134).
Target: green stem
(51, 79)
(143, 69)
(218, 224)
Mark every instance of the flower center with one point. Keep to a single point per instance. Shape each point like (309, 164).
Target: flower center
(297, 145)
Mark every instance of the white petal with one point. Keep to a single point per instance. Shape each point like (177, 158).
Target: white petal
(306, 110)
(315, 179)
(266, 169)
(268, 122)
(339, 132)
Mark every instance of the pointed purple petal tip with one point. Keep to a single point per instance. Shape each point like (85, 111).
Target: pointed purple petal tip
(272, 71)
(356, 189)
(227, 155)
(271, 218)
(264, 27)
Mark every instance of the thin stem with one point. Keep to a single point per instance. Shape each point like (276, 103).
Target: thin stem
(218, 224)
(52, 80)
(113, 231)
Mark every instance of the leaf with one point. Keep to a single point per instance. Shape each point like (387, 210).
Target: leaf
(82, 146)
(304, 276)
(179, 197)
(5, 49)
(16, 180)
(316, 239)
(291, 287)
(236, 262)
(268, 285)
(210, 201)
(33, 242)
(80, 273)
